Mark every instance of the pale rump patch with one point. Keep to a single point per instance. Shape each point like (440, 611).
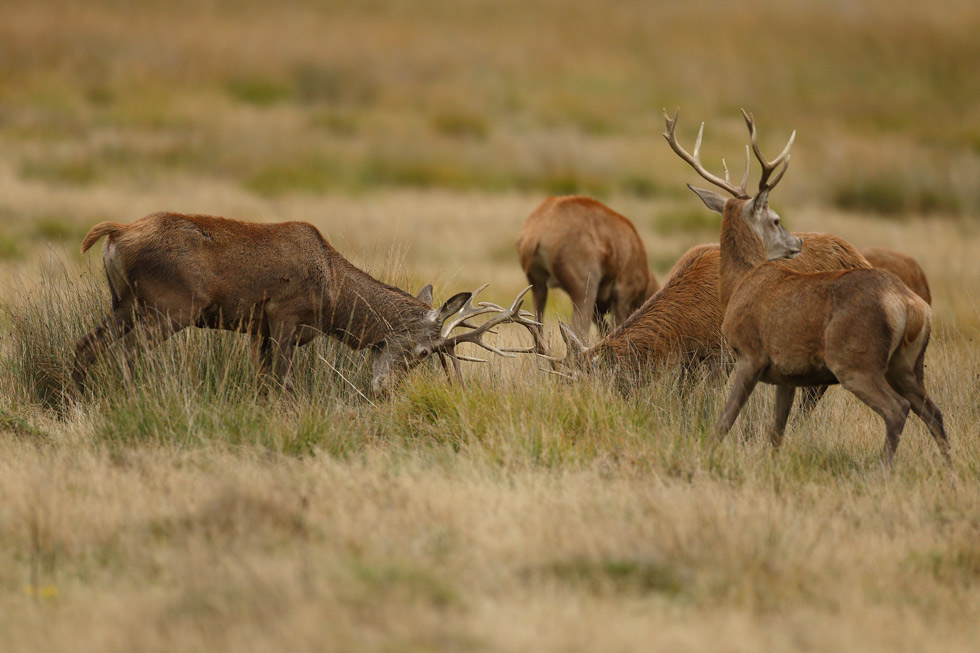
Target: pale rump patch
(113, 267)
(896, 314)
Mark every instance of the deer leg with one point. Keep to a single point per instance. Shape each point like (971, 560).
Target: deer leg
(909, 384)
(746, 376)
(784, 402)
(809, 398)
(599, 318)
(88, 348)
(261, 352)
(156, 327)
(583, 307)
(874, 390)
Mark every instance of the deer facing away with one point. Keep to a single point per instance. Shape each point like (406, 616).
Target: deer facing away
(862, 328)
(593, 253)
(281, 283)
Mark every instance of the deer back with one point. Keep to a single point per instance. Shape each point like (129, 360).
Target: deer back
(576, 237)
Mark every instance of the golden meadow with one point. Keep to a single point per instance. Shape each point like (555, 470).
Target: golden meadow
(189, 507)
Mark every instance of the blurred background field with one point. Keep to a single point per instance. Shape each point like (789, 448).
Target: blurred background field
(192, 509)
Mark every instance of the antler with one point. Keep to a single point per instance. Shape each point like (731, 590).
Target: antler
(695, 159)
(767, 166)
(512, 314)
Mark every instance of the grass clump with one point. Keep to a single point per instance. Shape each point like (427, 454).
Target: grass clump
(259, 92)
(67, 172)
(894, 198)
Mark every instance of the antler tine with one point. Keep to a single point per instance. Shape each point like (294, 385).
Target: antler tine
(512, 314)
(695, 160)
(468, 310)
(768, 167)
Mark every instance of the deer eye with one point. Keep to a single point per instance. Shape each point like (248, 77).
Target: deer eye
(423, 352)
(776, 222)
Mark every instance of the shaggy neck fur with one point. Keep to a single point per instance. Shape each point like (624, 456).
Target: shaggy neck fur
(741, 249)
(362, 311)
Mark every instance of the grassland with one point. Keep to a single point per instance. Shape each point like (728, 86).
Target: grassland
(185, 506)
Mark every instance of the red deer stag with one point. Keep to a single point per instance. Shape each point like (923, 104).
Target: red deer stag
(862, 328)
(282, 283)
(592, 252)
(682, 321)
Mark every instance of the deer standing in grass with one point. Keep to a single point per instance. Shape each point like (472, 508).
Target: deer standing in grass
(281, 283)
(593, 253)
(862, 328)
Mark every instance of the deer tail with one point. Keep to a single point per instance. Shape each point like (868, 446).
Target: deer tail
(100, 230)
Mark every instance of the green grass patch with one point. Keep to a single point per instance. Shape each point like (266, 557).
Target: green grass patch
(313, 175)
(259, 92)
(894, 198)
(461, 125)
(616, 576)
(70, 172)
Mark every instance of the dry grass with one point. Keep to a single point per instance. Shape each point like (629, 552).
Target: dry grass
(192, 508)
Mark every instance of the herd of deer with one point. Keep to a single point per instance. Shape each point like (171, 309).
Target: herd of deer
(796, 310)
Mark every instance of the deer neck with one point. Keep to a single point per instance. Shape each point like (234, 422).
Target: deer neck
(362, 311)
(741, 249)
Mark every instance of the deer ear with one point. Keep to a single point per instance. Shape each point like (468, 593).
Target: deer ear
(453, 304)
(761, 200)
(712, 200)
(426, 294)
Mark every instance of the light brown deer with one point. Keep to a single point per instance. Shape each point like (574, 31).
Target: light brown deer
(582, 246)
(902, 266)
(282, 283)
(861, 328)
(682, 321)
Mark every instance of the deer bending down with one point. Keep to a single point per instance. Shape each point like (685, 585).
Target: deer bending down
(862, 328)
(682, 321)
(282, 283)
(590, 251)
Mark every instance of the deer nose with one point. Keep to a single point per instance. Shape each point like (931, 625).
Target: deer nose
(799, 246)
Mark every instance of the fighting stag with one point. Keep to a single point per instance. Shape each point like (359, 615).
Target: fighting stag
(282, 283)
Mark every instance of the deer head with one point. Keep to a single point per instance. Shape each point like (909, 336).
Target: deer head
(778, 243)
(432, 334)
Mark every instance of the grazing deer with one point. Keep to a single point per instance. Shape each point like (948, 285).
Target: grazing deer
(281, 283)
(682, 321)
(862, 328)
(592, 252)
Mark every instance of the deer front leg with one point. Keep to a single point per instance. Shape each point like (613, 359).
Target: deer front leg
(784, 402)
(87, 348)
(746, 376)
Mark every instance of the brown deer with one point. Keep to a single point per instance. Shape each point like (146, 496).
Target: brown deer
(682, 321)
(862, 328)
(902, 266)
(281, 283)
(593, 253)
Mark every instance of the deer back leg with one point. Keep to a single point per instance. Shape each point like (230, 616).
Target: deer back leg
(810, 396)
(87, 349)
(909, 384)
(872, 388)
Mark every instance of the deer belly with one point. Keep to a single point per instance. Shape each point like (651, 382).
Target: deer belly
(799, 377)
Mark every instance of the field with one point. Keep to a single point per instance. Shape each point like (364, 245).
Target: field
(188, 506)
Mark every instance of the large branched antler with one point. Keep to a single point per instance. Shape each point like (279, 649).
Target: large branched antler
(767, 166)
(695, 159)
(502, 315)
